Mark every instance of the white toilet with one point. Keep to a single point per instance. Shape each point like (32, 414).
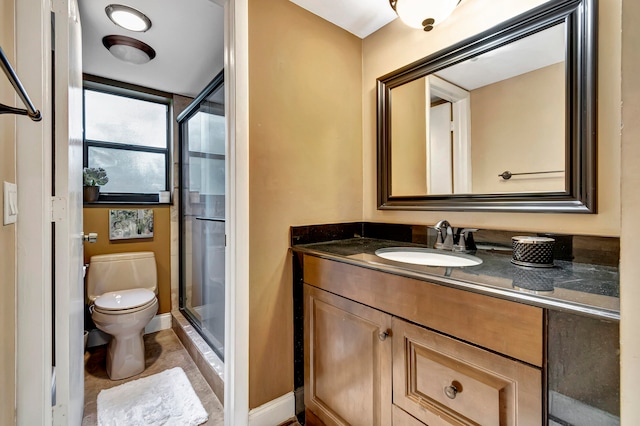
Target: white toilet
(122, 291)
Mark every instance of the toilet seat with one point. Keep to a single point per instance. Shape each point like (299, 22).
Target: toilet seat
(124, 301)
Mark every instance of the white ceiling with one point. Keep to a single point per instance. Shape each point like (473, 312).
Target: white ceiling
(187, 36)
(359, 17)
(530, 53)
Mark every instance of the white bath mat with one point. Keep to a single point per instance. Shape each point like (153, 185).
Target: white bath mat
(165, 398)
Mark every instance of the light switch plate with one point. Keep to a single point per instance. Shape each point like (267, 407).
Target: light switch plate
(10, 203)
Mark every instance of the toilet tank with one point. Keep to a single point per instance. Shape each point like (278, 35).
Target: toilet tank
(121, 271)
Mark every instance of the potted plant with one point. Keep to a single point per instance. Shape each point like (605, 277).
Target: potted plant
(93, 178)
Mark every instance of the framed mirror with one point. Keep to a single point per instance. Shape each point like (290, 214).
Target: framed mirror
(502, 121)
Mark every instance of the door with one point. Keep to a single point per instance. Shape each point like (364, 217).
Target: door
(347, 358)
(202, 213)
(449, 138)
(67, 256)
(440, 151)
(48, 156)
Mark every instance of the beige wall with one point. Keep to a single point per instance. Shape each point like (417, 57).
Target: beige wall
(630, 199)
(305, 165)
(396, 45)
(518, 125)
(8, 232)
(96, 219)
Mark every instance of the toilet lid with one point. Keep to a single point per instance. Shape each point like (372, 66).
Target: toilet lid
(124, 299)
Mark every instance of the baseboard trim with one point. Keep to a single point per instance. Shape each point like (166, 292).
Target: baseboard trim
(159, 322)
(274, 412)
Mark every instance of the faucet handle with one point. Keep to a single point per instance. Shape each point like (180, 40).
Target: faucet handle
(465, 241)
(439, 237)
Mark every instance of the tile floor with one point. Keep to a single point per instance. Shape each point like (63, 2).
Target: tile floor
(163, 351)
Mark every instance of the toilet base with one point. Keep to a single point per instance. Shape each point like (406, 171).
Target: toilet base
(125, 356)
(125, 351)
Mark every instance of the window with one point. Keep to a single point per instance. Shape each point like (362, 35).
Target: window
(127, 132)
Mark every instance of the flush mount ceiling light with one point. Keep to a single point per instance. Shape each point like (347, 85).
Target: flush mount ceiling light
(128, 17)
(129, 49)
(423, 14)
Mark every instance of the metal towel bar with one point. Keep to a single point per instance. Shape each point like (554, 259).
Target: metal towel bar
(506, 175)
(31, 110)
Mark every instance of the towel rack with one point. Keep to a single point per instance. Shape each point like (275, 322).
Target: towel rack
(31, 110)
(506, 175)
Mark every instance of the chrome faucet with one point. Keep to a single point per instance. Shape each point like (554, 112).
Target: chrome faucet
(454, 239)
(444, 239)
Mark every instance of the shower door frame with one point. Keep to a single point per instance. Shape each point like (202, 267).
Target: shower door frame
(216, 84)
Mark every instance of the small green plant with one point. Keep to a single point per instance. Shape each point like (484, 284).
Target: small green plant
(95, 176)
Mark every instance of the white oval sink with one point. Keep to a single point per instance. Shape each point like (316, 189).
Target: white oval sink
(428, 257)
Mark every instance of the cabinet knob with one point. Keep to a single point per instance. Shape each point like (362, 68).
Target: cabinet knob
(383, 335)
(452, 390)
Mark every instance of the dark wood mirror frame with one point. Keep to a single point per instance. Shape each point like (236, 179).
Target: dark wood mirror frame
(580, 17)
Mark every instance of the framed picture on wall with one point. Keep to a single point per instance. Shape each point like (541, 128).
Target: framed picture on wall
(128, 224)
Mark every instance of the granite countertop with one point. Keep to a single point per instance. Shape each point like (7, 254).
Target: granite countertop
(569, 286)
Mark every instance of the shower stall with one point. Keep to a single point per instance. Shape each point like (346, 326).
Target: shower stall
(202, 213)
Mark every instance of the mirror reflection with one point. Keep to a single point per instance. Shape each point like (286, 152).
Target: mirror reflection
(456, 131)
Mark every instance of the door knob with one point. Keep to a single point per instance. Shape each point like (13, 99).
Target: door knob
(91, 237)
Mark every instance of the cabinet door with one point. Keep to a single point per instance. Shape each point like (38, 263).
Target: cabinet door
(443, 381)
(401, 418)
(347, 356)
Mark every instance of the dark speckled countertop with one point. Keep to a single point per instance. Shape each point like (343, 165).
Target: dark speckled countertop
(588, 289)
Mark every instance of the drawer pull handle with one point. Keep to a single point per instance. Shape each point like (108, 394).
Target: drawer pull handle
(383, 335)
(452, 390)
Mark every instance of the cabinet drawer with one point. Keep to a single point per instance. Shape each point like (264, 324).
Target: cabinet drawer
(442, 381)
(506, 327)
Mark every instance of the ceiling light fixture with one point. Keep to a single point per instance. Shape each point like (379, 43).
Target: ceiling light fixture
(129, 49)
(128, 17)
(423, 14)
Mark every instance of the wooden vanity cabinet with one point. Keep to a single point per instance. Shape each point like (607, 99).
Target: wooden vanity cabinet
(366, 365)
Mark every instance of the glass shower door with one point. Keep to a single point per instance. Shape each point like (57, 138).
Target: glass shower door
(202, 214)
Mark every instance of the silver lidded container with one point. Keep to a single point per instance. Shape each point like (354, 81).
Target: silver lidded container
(535, 252)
